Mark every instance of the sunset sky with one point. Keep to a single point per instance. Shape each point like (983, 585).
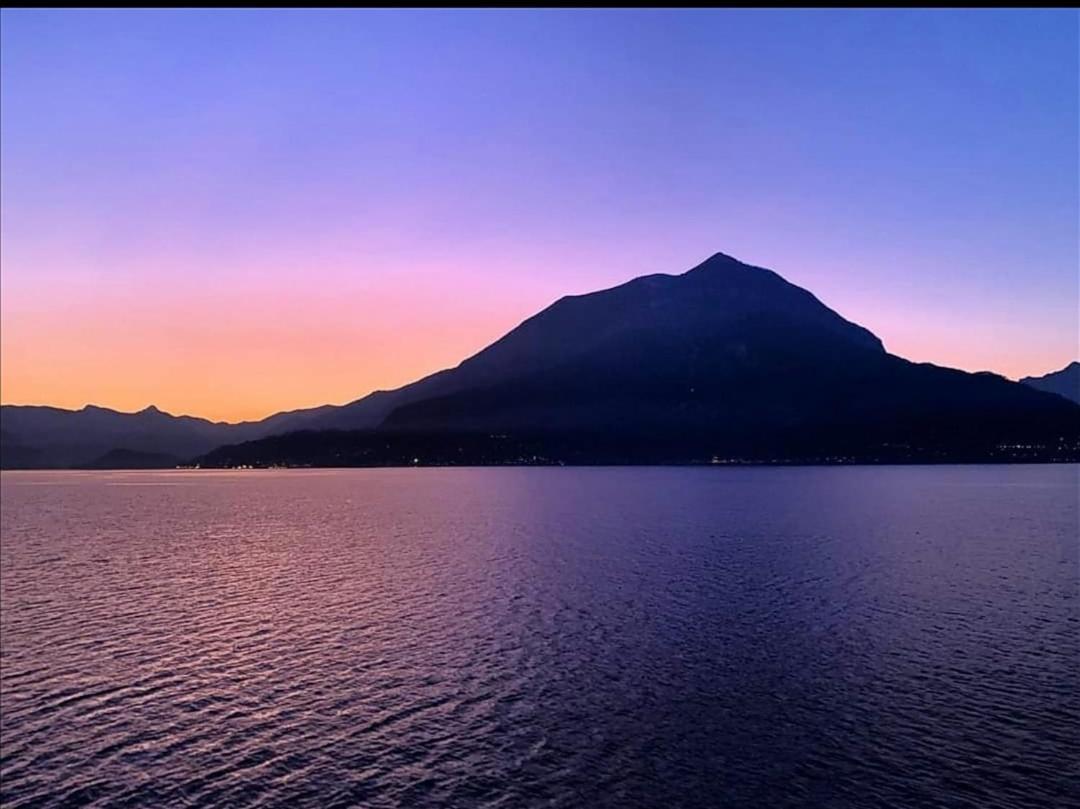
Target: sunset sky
(229, 214)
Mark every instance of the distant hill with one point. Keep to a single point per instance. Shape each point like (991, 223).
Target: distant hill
(133, 459)
(726, 360)
(42, 437)
(52, 437)
(1065, 382)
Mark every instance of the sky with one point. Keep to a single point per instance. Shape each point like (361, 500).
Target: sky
(233, 213)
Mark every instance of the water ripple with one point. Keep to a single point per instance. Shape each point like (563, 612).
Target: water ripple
(541, 637)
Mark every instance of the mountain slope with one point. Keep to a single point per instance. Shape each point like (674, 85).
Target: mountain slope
(1065, 382)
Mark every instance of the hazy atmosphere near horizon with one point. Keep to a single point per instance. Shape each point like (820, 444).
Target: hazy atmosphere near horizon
(233, 213)
(563, 408)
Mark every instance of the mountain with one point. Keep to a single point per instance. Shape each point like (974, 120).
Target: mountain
(726, 360)
(42, 437)
(52, 437)
(134, 459)
(577, 324)
(1065, 382)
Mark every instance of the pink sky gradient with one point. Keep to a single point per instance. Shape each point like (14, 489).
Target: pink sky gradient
(345, 201)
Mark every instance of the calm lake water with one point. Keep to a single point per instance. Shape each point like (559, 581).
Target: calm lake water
(660, 637)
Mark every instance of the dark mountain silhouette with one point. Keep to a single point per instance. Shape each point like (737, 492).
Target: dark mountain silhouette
(1065, 382)
(575, 325)
(15, 454)
(42, 437)
(134, 459)
(52, 437)
(726, 360)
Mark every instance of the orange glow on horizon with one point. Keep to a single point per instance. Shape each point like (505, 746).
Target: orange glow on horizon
(241, 356)
(246, 357)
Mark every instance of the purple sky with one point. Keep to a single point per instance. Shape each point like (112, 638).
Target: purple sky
(233, 213)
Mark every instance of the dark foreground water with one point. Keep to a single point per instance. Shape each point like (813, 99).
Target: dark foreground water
(827, 637)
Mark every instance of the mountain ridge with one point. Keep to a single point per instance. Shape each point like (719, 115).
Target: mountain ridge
(1064, 382)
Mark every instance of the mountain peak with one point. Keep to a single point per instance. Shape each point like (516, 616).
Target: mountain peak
(716, 261)
(723, 257)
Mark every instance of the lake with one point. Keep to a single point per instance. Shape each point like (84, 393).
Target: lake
(567, 637)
